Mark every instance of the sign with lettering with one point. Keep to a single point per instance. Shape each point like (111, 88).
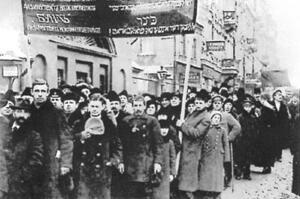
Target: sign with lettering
(193, 77)
(114, 18)
(10, 71)
(215, 45)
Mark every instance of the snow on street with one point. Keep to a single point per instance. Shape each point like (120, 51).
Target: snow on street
(265, 186)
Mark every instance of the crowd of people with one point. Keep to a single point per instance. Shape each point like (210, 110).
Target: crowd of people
(76, 142)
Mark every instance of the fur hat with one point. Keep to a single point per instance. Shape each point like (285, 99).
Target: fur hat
(165, 95)
(70, 96)
(124, 92)
(113, 96)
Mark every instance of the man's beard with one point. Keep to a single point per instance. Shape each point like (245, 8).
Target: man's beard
(20, 120)
(115, 110)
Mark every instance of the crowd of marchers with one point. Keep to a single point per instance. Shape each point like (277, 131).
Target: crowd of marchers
(76, 142)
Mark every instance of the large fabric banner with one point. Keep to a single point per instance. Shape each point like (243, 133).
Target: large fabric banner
(114, 18)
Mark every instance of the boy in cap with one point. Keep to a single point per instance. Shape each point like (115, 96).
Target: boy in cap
(70, 107)
(246, 141)
(55, 97)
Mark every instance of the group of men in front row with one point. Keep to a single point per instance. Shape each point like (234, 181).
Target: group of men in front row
(102, 147)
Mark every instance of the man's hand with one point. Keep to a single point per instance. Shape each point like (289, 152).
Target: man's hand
(179, 123)
(85, 134)
(157, 168)
(64, 170)
(112, 117)
(121, 168)
(171, 178)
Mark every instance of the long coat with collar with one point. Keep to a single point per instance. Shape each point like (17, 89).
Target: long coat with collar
(92, 174)
(295, 149)
(230, 125)
(55, 134)
(4, 131)
(143, 146)
(281, 125)
(24, 162)
(214, 152)
(193, 131)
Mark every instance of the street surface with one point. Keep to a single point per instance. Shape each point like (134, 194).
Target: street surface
(276, 185)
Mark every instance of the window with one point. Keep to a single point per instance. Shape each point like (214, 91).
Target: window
(103, 78)
(182, 45)
(84, 71)
(194, 48)
(62, 63)
(81, 77)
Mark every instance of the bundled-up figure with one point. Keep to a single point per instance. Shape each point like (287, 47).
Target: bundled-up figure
(295, 149)
(24, 155)
(168, 162)
(97, 148)
(214, 152)
(143, 151)
(245, 141)
(193, 131)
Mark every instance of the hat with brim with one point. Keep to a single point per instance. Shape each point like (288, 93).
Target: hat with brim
(22, 104)
(217, 98)
(216, 113)
(276, 91)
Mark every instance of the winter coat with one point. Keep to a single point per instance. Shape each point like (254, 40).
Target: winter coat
(143, 146)
(295, 149)
(230, 125)
(55, 134)
(281, 126)
(245, 141)
(265, 143)
(215, 151)
(92, 175)
(193, 131)
(168, 167)
(24, 162)
(4, 131)
(167, 114)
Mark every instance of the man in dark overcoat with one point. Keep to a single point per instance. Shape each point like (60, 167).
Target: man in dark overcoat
(281, 123)
(56, 138)
(143, 150)
(295, 149)
(24, 155)
(97, 149)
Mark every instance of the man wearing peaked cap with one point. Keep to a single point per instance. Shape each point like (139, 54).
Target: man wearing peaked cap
(55, 97)
(70, 108)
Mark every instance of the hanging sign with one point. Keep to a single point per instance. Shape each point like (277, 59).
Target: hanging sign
(229, 20)
(215, 45)
(114, 18)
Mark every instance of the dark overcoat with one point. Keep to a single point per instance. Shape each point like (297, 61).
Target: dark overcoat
(245, 141)
(24, 162)
(295, 149)
(143, 146)
(281, 126)
(91, 173)
(193, 131)
(4, 131)
(265, 143)
(168, 168)
(58, 146)
(214, 152)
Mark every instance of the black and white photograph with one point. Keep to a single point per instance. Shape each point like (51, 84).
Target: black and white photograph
(149, 99)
